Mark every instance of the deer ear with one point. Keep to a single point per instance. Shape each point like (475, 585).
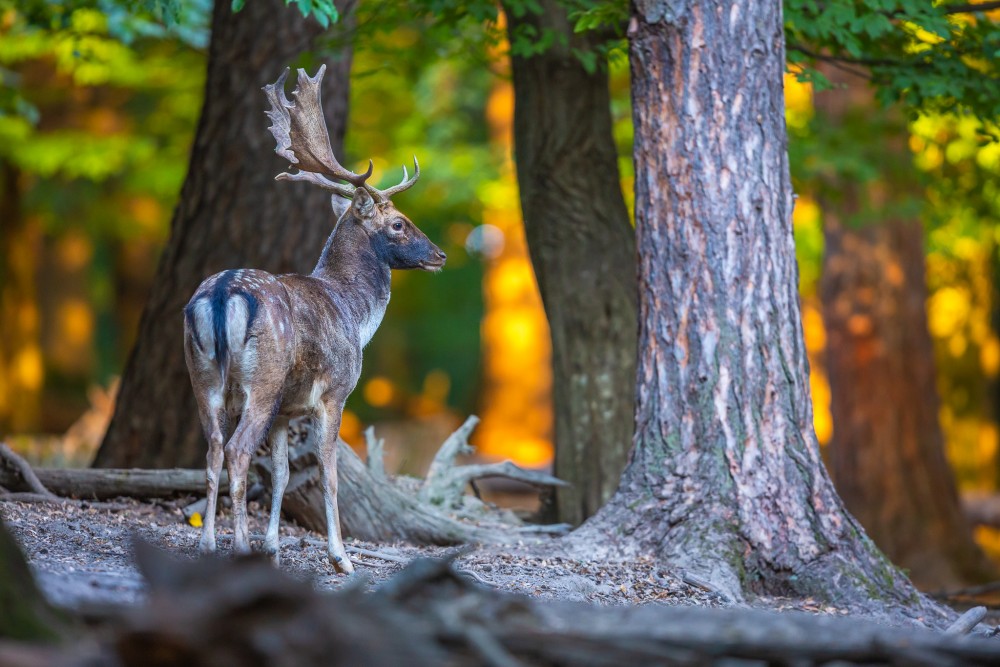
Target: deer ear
(340, 206)
(363, 205)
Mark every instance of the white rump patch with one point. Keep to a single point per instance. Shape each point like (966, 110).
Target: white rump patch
(236, 324)
(201, 323)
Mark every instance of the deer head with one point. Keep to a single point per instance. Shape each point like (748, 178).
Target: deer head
(301, 135)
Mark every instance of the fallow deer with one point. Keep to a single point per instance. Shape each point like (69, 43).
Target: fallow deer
(263, 349)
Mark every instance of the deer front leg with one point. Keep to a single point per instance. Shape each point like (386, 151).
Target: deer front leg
(328, 430)
(278, 438)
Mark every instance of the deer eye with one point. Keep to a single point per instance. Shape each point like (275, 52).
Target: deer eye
(398, 226)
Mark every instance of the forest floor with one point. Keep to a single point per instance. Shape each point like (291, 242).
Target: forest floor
(81, 553)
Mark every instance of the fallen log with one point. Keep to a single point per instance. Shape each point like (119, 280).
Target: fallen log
(105, 483)
(377, 507)
(216, 612)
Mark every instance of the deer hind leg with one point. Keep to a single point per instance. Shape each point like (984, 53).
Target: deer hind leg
(278, 438)
(257, 416)
(328, 430)
(213, 421)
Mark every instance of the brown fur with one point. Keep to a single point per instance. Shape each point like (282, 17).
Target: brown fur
(293, 348)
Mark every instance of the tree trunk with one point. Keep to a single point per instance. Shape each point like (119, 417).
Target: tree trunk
(583, 252)
(887, 452)
(26, 616)
(231, 214)
(725, 477)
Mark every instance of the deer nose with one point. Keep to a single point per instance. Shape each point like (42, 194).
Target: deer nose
(440, 255)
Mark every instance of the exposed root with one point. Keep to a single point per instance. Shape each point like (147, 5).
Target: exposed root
(377, 507)
(22, 467)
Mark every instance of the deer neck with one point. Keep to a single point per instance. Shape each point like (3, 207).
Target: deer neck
(358, 274)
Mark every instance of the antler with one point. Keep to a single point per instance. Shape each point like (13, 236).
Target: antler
(405, 184)
(300, 132)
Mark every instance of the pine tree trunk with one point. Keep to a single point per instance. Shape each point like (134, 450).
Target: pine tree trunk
(887, 452)
(725, 477)
(583, 252)
(231, 214)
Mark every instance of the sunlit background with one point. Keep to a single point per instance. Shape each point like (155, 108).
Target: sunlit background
(90, 174)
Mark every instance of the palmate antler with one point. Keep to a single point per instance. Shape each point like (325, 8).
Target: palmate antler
(300, 131)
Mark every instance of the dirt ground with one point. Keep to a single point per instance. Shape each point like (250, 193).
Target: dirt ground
(81, 555)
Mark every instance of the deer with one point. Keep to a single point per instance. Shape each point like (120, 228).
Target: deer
(263, 349)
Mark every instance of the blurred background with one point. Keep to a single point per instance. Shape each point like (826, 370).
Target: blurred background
(94, 143)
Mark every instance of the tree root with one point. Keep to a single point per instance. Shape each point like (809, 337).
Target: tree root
(376, 507)
(24, 470)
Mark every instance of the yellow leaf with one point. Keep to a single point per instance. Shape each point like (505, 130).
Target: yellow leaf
(195, 520)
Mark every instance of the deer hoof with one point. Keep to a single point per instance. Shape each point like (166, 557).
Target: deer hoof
(342, 564)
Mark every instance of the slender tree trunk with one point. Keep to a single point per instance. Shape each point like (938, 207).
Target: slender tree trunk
(231, 214)
(887, 452)
(583, 252)
(21, 365)
(725, 477)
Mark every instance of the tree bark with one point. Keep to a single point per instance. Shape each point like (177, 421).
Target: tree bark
(583, 251)
(231, 214)
(887, 452)
(725, 478)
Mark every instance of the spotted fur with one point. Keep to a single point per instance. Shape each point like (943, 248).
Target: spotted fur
(265, 349)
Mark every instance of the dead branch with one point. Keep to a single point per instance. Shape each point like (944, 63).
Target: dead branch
(104, 483)
(375, 459)
(379, 508)
(446, 481)
(23, 469)
(429, 614)
(963, 624)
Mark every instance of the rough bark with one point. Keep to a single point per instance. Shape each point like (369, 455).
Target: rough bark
(887, 453)
(583, 251)
(725, 478)
(231, 214)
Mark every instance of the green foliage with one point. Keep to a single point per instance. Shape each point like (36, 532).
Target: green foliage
(324, 11)
(932, 57)
(430, 106)
(97, 130)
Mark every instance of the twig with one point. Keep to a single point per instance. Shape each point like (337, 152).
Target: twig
(24, 469)
(963, 624)
(360, 551)
(31, 497)
(375, 453)
(475, 577)
(376, 554)
(972, 591)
